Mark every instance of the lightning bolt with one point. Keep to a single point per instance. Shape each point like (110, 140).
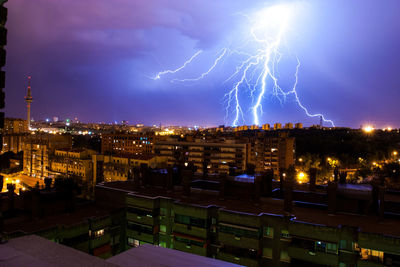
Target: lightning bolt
(161, 73)
(257, 71)
(203, 75)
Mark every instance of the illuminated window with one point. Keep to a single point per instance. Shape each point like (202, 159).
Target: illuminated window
(133, 242)
(267, 253)
(371, 255)
(285, 234)
(269, 232)
(98, 233)
(163, 228)
(285, 256)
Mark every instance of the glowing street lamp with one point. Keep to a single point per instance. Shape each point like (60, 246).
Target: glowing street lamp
(301, 177)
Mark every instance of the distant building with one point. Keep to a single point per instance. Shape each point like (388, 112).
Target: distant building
(111, 168)
(122, 143)
(266, 127)
(75, 163)
(13, 134)
(211, 156)
(38, 148)
(299, 125)
(289, 125)
(272, 152)
(15, 126)
(277, 126)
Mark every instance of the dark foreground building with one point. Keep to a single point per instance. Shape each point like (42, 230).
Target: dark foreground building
(251, 221)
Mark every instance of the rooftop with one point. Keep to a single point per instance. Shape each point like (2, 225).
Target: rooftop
(148, 255)
(37, 251)
(80, 214)
(370, 223)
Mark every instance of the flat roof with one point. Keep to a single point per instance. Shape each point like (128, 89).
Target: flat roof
(149, 255)
(366, 223)
(33, 250)
(31, 226)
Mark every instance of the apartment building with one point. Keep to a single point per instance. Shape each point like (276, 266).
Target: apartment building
(124, 143)
(212, 156)
(111, 168)
(38, 148)
(241, 235)
(13, 134)
(272, 151)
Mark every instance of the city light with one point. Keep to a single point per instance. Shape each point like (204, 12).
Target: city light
(301, 177)
(368, 129)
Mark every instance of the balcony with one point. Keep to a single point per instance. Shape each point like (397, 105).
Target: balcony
(149, 238)
(141, 219)
(364, 263)
(76, 230)
(238, 260)
(190, 230)
(84, 246)
(314, 257)
(236, 241)
(202, 251)
(141, 202)
(100, 241)
(189, 210)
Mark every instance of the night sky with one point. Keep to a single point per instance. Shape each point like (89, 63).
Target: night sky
(92, 59)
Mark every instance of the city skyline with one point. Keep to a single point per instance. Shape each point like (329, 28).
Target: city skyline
(96, 65)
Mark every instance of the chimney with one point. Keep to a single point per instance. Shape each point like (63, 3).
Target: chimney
(144, 175)
(11, 197)
(257, 188)
(288, 189)
(47, 183)
(170, 180)
(282, 176)
(332, 189)
(187, 179)
(267, 183)
(35, 202)
(342, 177)
(313, 178)
(336, 174)
(136, 179)
(222, 185)
(381, 202)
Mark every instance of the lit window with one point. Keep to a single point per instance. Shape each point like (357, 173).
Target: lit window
(285, 234)
(163, 228)
(98, 233)
(269, 232)
(285, 256)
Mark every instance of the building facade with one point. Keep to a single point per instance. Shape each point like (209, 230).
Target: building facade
(122, 143)
(253, 239)
(38, 149)
(212, 156)
(13, 134)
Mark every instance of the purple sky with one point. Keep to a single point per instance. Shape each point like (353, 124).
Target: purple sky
(91, 59)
